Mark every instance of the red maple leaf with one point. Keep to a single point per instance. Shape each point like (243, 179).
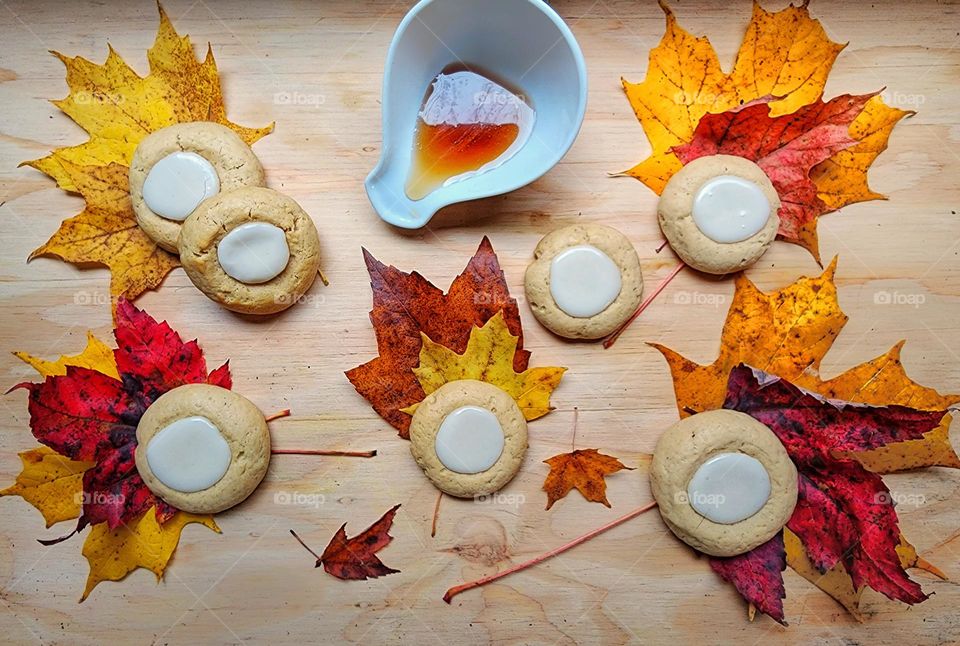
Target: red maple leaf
(786, 148)
(356, 558)
(758, 575)
(844, 513)
(86, 415)
(404, 305)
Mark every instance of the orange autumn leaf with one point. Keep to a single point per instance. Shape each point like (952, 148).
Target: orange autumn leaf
(118, 108)
(686, 102)
(583, 469)
(787, 332)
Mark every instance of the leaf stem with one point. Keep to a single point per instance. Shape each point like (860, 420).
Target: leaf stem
(610, 340)
(305, 546)
(436, 514)
(336, 454)
(660, 248)
(463, 587)
(284, 413)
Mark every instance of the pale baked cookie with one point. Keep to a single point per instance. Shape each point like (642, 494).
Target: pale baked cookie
(723, 482)
(584, 281)
(719, 213)
(469, 437)
(253, 250)
(175, 168)
(202, 448)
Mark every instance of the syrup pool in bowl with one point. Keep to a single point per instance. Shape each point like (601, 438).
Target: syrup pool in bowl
(468, 124)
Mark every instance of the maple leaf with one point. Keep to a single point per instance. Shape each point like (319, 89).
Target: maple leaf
(144, 542)
(488, 357)
(787, 333)
(758, 575)
(57, 486)
(118, 109)
(584, 469)
(406, 305)
(816, 154)
(356, 558)
(844, 513)
(786, 148)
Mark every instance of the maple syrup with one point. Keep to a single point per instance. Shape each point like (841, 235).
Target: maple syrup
(468, 125)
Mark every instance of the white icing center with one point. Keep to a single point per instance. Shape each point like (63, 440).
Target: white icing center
(470, 440)
(728, 208)
(464, 98)
(584, 281)
(729, 487)
(177, 184)
(189, 455)
(254, 252)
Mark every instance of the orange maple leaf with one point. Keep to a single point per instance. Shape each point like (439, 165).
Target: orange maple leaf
(787, 332)
(118, 108)
(584, 469)
(785, 58)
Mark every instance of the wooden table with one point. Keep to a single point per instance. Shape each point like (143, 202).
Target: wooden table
(635, 583)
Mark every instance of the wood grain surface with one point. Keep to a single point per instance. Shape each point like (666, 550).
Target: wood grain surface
(634, 584)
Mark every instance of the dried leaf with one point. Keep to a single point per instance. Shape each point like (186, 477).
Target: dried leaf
(787, 333)
(757, 576)
(96, 356)
(488, 357)
(406, 306)
(144, 542)
(585, 469)
(356, 558)
(784, 54)
(786, 148)
(51, 483)
(118, 109)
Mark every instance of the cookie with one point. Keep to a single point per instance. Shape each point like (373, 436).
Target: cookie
(202, 448)
(719, 213)
(584, 282)
(175, 168)
(723, 482)
(253, 250)
(469, 437)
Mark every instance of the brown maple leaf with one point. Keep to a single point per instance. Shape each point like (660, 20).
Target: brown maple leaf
(118, 108)
(407, 306)
(356, 558)
(583, 469)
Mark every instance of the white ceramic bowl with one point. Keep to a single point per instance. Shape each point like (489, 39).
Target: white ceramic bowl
(521, 42)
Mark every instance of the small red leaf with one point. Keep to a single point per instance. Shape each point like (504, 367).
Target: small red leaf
(355, 558)
(758, 575)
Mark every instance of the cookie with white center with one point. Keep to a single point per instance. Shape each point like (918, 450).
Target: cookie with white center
(253, 250)
(202, 448)
(585, 281)
(723, 482)
(469, 437)
(719, 213)
(176, 168)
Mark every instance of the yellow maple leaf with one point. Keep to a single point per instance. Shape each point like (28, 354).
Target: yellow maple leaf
(489, 358)
(50, 482)
(787, 332)
(784, 54)
(118, 108)
(96, 356)
(54, 485)
(115, 553)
